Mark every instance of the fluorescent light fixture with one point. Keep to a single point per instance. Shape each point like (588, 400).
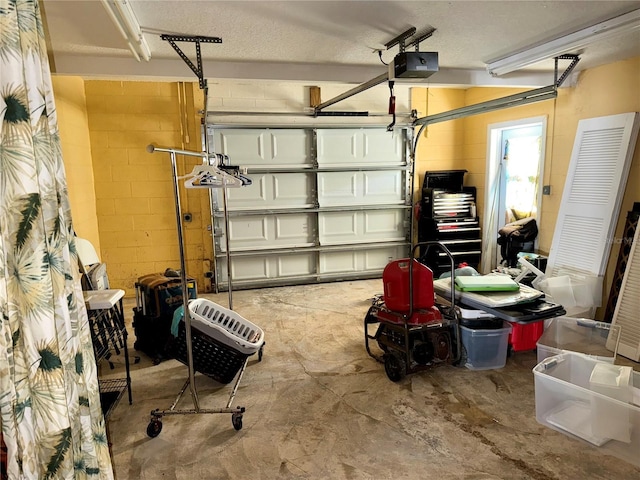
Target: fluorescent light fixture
(566, 44)
(125, 20)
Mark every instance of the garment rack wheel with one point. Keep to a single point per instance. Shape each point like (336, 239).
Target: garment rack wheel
(155, 427)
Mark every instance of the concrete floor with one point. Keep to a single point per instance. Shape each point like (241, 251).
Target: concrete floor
(319, 407)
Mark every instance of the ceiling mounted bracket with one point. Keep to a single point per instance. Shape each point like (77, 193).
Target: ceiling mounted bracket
(399, 40)
(574, 61)
(197, 39)
(423, 36)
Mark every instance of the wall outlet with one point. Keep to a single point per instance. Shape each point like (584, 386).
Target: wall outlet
(546, 189)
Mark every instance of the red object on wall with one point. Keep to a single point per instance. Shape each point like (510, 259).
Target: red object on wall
(395, 278)
(525, 336)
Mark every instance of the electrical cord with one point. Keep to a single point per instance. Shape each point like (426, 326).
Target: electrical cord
(392, 106)
(380, 55)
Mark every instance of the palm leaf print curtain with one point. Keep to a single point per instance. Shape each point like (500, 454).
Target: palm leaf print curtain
(52, 422)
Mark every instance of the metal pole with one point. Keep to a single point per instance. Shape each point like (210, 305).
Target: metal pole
(226, 240)
(189, 153)
(530, 96)
(360, 88)
(183, 277)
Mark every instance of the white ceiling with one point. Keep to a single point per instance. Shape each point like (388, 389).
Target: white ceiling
(327, 40)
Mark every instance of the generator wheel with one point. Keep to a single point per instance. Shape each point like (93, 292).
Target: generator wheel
(394, 366)
(463, 357)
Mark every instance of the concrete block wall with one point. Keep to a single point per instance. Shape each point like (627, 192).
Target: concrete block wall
(71, 110)
(135, 203)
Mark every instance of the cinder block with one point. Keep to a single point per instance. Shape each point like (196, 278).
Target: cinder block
(127, 206)
(163, 105)
(141, 89)
(105, 206)
(103, 87)
(112, 156)
(162, 190)
(125, 139)
(155, 222)
(129, 173)
(159, 255)
(121, 255)
(141, 122)
(116, 223)
(112, 189)
(106, 121)
(248, 103)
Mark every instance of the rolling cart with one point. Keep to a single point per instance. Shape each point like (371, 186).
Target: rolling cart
(220, 341)
(412, 331)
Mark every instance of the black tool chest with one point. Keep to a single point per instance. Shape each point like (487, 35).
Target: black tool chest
(448, 215)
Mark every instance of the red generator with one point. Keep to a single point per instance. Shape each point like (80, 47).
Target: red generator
(412, 331)
(395, 279)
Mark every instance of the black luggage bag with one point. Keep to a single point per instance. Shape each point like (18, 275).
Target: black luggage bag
(157, 297)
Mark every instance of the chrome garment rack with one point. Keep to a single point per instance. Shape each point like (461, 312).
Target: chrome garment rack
(224, 180)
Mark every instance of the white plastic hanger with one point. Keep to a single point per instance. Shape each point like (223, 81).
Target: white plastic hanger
(207, 176)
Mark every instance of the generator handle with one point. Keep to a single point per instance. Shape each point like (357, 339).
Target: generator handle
(453, 312)
(453, 268)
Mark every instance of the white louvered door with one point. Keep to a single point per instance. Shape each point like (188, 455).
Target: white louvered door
(627, 312)
(593, 191)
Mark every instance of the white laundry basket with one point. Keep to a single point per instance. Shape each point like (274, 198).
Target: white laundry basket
(221, 340)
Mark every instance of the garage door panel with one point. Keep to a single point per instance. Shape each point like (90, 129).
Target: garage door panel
(297, 199)
(293, 189)
(294, 265)
(344, 147)
(360, 188)
(292, 227)
(384, 223)
(254, 268)
(379, 150)
(265, 267)
(382, 187)
(378, 258)
(290, 147)
(338, 262)
(361, 227)
(364, 260)
(338, 227)
(360, 147)
(273, 190)
(255, 194)
(263, 147)
(338, 188)
(248, 230)
(243, 146)
(255, 232)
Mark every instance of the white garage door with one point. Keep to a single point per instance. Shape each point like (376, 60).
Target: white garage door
(325, 204)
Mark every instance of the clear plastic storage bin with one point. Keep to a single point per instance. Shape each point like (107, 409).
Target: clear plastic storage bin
(579, 335)
(602, 408)
(486, 349)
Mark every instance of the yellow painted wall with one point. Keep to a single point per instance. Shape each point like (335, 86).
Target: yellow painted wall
(476, 138)
(133, 188)
(440, 146)
(71, 109)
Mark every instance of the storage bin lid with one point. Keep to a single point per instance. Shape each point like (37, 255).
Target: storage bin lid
(581, 335)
